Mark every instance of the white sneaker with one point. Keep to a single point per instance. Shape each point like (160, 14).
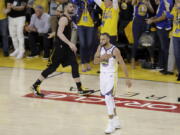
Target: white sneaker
(20, 55)
(116, 122)
(110, 128)
(14, 54)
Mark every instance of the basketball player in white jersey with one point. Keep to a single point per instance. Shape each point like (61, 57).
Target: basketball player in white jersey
(109, 57)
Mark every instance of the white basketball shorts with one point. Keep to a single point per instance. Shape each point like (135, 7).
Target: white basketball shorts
(108, 83)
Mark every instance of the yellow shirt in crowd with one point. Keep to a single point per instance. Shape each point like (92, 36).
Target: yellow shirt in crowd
(109, 20)
(2, 8)
(86, 19)
(176, 22)
(43, 3)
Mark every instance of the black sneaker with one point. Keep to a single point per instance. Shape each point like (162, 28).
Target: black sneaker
(45, 57)
(32, 56)
(169, 73)
(178, 79)
(85, 92)
(36, 90)
(178, 99)
(163, 71)
(6, 54)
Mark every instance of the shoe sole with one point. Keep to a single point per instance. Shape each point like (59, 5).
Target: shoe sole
(33, 56)
(35, 93)
(86, 94)
(109, 132)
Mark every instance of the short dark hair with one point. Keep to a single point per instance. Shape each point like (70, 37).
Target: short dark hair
(66, 3)
(105, 34)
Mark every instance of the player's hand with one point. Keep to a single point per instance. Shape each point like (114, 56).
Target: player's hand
(106, 56)
(73, 47)
(128, 83)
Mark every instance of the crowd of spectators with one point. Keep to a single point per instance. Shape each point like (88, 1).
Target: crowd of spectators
(154, 24)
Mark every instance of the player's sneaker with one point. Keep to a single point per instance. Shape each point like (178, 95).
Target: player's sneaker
(110, 128)
(116, 122)
(14, 54)
(85, 92)
(36, 90)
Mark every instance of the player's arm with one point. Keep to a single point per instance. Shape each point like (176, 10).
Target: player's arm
(120, 61)
(118, 57)
(63, 22)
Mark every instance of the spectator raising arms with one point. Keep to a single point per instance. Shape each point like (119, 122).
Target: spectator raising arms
(109, 18)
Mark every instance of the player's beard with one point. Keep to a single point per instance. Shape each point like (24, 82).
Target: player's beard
(103, 44)
(70, 12)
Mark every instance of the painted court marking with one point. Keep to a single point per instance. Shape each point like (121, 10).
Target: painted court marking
(120, 102)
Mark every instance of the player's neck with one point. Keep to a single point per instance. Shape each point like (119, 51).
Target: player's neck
(108, 45)
(68, 15)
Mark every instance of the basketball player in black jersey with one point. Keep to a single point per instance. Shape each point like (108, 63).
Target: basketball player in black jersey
(63, 53)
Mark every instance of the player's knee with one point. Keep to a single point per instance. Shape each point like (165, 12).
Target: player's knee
(48, 71)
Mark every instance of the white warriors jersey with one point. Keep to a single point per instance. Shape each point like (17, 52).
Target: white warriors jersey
(111, 65)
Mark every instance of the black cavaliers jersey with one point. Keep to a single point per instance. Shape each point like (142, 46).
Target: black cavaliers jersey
(67, 30)
(62, 54)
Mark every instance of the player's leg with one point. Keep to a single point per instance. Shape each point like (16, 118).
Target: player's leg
(76, 77)
(53, 64)
(108, 84)
(110, 110)
(113, 118)
(106, 87)
(116, 121)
